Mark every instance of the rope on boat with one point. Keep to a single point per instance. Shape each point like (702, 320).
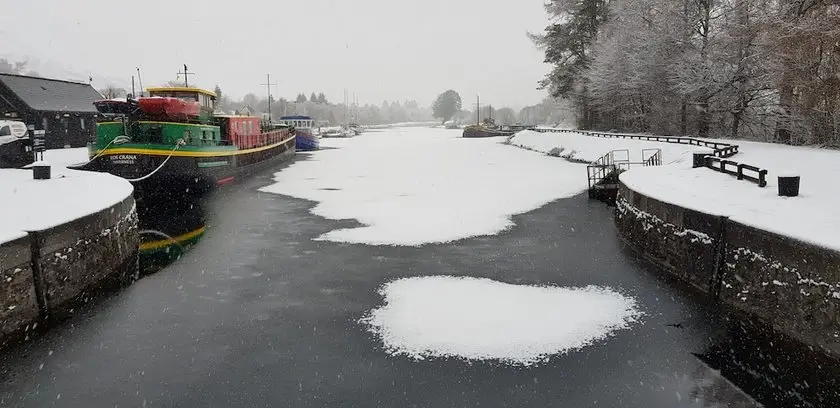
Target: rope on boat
(117, 140)
(171, 152)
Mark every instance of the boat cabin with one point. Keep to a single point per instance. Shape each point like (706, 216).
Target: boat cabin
(298, 121)
(206, 99)
(241, 131)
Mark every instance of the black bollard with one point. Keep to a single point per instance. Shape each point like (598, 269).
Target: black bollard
(699, 160)
(788, 186)
(41, 170)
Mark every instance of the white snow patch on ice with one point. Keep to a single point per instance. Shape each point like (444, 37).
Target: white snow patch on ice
(417, 186)
(482, 319)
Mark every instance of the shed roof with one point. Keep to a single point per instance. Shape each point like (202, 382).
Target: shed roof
(44, 94)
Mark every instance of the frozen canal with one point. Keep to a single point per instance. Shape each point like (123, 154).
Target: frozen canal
(445, 273)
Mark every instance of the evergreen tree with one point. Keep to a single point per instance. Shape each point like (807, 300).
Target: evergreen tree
(567, 44)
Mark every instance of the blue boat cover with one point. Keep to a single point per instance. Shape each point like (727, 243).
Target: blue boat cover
(306, 142)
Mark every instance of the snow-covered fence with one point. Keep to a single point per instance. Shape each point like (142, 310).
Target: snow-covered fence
(737, 169)
(715, 161)
(720, 149)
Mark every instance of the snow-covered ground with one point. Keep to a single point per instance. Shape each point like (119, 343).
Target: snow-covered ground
(578, 146)
(413, 186)
(66, 157)
(481, 319)
(30, 205)
(811, 217)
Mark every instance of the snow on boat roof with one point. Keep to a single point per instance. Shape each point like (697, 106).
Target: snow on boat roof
(181, 89)
(295, 117)
(234, 116)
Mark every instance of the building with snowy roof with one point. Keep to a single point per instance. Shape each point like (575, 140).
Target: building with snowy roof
(64, 109)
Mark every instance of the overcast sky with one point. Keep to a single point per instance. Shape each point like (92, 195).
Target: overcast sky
(382, 49)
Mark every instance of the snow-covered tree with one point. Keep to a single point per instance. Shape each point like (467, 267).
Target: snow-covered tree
(111, 91)
(446, 105)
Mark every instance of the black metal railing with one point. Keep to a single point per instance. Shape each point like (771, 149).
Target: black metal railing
(714, 161)
(617, 161)
(654, 159)
(720, 149)
(739, 170)
(607, 164)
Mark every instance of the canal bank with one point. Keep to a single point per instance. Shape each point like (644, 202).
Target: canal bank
(775, 287)
(64, 240)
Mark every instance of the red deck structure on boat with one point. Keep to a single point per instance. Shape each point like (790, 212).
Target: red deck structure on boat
(174, 108)
(244, 132)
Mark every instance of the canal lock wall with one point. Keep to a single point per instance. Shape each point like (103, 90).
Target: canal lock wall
(47, 273)
(788, 285)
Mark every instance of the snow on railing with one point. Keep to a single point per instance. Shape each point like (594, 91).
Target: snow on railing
(726, 166)
(714, 161)
(720, 149)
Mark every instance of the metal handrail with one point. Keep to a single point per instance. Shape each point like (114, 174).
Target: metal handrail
(723, 166)
(721, 149)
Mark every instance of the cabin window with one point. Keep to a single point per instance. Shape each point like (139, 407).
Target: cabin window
(187, 135)
(189, 96)
(155, 134)
(5, 131)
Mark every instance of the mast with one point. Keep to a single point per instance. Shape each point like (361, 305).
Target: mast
(186, 75)
(477, 110)
(268, 85)
(140, 79)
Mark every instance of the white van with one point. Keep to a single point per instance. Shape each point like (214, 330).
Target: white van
(11, 130)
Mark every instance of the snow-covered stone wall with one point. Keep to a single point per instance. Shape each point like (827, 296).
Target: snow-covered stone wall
(76, 258)
(18, 304)
(788, 284)
(681, 241)
(44, 274)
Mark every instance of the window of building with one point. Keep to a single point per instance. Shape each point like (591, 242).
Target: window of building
(82, 123)
(45, 123)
